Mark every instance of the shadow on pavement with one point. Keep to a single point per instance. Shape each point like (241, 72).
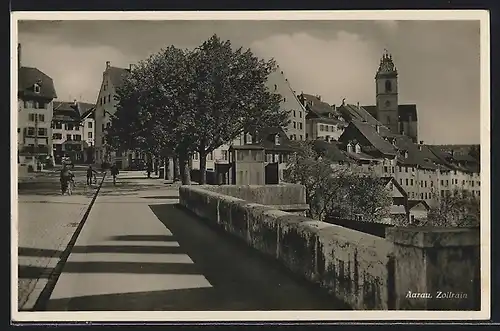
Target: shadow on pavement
(144, 238)
(231, 266)
(195, 299)
(173, 197)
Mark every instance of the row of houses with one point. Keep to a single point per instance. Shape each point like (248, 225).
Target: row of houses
(49, 130)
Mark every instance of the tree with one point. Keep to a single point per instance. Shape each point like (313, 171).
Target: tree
(231, 96)
(337, 190)
(456, 209)
(151, 103)
(195, 101)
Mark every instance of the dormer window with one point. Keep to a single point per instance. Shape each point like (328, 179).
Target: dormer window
(276, 139)
(36, 88)
(357, 148)
(349, 148)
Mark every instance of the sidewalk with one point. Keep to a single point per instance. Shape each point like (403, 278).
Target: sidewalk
(45, 223)
(139, 252)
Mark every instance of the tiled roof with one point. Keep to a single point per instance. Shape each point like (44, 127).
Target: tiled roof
(361, 156)
(85, 107)
(278, 83)
(65, 112)
(89, 113)
(330, 150)
(370, 133)
(318, 107)
(28, 77)
(116, 75)
(266, 139)
(353, 112)
(416, 157)
(404, 111)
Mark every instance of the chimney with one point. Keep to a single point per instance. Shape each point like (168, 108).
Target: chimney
(357, 104)
(19, 55)
(75, 103)
(108, 65)
(377, 127)
(131, 67)
(406, 154)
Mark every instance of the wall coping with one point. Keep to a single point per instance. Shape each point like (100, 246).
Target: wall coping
(426, 237)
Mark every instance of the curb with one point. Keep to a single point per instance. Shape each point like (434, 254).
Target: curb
(44, 296)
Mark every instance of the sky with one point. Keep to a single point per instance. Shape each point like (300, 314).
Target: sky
(438, 61)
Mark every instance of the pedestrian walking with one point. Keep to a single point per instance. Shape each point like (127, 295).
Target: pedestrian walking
(114, 173)
(149, 169)
(91, 175)
(66, 179)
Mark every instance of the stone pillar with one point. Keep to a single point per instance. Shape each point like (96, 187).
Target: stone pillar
(436, 268)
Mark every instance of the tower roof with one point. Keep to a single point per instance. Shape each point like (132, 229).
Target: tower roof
(386, 66)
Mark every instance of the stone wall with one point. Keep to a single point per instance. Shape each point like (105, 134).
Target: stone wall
(355, 267)
(286, 197)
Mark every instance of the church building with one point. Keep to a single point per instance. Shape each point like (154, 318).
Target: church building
(400, 119)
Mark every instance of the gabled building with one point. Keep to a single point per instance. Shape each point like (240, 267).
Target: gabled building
(112, 79)
(322, 120)
(35, 92)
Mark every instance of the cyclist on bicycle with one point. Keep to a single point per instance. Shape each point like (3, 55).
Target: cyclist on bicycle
(66, 179)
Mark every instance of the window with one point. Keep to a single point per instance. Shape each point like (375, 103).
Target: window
(392, 169)
(89, 135)
(307, 136)
(300, 114)
(31, 131)
(29, 104)
(411, 181)
(432, 183)
(32, 117)
(41, 118)
(224, 155)
(42, 132)
(442, 193)
(68, 137)
(478, 183)
(421, 196)
(210, 156)
(385, 169)
(442, 182)
(58, 125)
(413, 194)
(77, 137)
(109, 98)
(294, 114)
(284, 99)
(108, 125)
(57, 136)
(102, 126)
(104, 100)
(89, 125)
(425, 183)
(406, 181)
(388, 117)
(69, 126)
(406, 169)
(447, 182)
(472, 183)
(41, 105)
(321, 127)
(195, 156)
(103, 140)
(36, 88)
(388, 86)
(401, 181)
(301, 137)
(300, 125)
(294, 124)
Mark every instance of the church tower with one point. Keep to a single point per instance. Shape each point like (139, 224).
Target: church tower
(387, 93)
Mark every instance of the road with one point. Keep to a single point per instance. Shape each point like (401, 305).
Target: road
(140, 251)
(46, 221)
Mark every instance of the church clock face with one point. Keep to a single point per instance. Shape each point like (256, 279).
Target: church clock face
(387, 103)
